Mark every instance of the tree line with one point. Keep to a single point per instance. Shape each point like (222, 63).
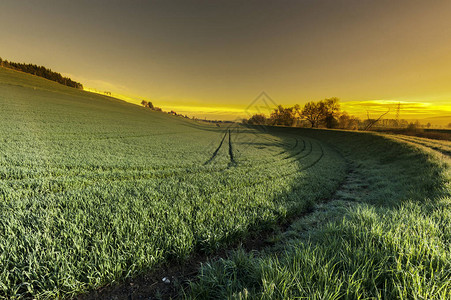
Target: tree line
(150, 105)
(41, 72)
(325, 113)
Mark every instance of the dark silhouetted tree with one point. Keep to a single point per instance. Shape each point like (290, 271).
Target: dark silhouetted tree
(258, 119)
(312, 112)
(322, 112)
(284, 116)
(345, 121)
(330, 109)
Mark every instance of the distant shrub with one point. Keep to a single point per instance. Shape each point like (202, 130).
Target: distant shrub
(345, 121)
(147, 104)
(414, 127)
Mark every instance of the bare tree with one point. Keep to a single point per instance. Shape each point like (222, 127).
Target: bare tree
(258, 119)
(324, 111)
(330, 110)
(283, 116)
(312, 113)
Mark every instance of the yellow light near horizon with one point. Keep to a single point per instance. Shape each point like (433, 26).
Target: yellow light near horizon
(408, 109)
(134, 100)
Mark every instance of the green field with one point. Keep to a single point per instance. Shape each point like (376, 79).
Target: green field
(384, 234)
(94, 190)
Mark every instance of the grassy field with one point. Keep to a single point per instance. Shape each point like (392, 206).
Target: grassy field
(385, 234)
(436, 134)
(94, 190)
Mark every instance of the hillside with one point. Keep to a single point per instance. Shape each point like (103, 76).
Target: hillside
(94, 191)
(40, 71)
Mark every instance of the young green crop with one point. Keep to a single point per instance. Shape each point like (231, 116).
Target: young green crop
(384, 235)
(94, 190)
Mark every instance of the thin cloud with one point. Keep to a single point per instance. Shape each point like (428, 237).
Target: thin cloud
(408, 109)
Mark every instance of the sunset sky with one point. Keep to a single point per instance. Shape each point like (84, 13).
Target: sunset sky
(213, 58)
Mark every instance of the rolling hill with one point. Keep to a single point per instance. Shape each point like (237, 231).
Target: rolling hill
(94, 190)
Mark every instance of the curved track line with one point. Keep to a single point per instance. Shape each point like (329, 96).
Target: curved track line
(316, 161)
(303, 149)
(216, 151)
(433, 145)
(232, 159)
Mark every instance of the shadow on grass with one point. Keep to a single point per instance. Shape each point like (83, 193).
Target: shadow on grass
(393, 244)
(265, 218)
(392, 182)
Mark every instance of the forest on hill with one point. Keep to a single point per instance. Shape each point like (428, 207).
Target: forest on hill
(41, 72)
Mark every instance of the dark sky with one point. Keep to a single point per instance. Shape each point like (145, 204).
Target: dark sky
(224, 53)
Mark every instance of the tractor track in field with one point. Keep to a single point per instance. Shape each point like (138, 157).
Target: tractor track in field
(301, 151)
(232, 159)
(80, 168)
(245, 185)
(293, 147)
(130, 177)
(149, 285)
(433, 145)
(213, 156)
(302, 168)
(315, 161)
(102, 180)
